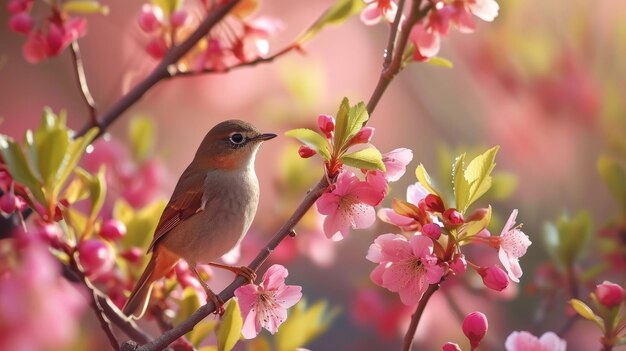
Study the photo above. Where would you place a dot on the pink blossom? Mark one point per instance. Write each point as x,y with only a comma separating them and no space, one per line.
395,163
351,203
214,57
255,40
151,18
21,22
112,230
427,42
326,124
404,266
513,245
414,194
377,10
363,136
458,264
486,10
610,294
96,257
494,277
265,305
8,203
475,327
525,341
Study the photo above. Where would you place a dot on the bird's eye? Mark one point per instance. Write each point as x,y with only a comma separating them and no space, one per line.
237,138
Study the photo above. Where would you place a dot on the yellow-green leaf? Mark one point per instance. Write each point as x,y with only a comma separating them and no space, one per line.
311,139
85,7
425,180
615,178
336,14
469,229
140,224
189,303
369,159
349,121
19,168
341,123
141,134
566,240
229,330
168,6
502,186
201,331
461,185
303,325
441,62
582,309
51,152
73,155
478,178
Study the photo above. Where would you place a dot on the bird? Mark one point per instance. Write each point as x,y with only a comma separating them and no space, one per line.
209,212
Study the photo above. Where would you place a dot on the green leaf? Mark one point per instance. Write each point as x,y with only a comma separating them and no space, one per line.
85,7
74,154
229,331
140,224
341,123
336,14
441,62
201,331
582,309
303,325
141,134
426,181
51,152
189,303
369,159
615,178
477,178
502,186
168,6
311,139
348,122
19,168
567,239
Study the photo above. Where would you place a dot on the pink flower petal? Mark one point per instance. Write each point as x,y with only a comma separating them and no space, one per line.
34,49
422,246
251,326
395,250
374,254
415,193
552,342
413,291
486,10
336,226
288,295
327,203
274,277
377,274
434,273
388,215
509,223
371,14
363,216
395,163
246,295
397,276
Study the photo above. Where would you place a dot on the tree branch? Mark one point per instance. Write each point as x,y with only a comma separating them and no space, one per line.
81,80
415,319
393,32
162,71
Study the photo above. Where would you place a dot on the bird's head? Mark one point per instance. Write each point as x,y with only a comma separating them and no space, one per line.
230,145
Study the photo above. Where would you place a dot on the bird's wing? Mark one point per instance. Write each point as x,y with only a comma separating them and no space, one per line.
185,202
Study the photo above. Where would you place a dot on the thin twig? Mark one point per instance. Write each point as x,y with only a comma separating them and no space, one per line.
81,80
163,70
415,319
388,55
239,65
105,324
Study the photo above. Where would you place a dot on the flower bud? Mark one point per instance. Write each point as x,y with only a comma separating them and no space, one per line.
15,6
96,257
50,233
363,136
477,215
431,230
150,18
112,230
21,22
132,255
458,264
306,152
452,218
475,327
54,39
433,203
494,277
450,346
8,203
609,294
179,18
157,48
326,124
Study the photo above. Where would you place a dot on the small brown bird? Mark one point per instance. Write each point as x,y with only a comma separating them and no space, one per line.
210,211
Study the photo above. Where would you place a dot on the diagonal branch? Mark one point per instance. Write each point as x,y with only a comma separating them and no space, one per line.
386,76
81,80
393,32
162,71
415,319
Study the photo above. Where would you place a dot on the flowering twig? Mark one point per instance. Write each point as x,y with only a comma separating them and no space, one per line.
393,32
162,71
254,62
81,80
410,333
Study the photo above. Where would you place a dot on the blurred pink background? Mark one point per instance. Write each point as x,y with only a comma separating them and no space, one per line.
546,81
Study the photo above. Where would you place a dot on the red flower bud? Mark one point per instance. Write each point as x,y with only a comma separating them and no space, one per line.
50,233
150,18
306,152
494,277
157,48
132,255
15,6
179,18
452,218
450,346
96,257
326,124
8,203
610,294
433,203
431,230
112,230
363,136
21,22
475,327
458,264
54,40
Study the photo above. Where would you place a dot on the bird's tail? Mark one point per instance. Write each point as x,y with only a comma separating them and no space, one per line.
161,262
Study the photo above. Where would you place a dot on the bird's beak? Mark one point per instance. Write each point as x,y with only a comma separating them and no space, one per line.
265,136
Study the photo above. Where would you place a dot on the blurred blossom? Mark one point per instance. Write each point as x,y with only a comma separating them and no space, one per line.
351,203
404,266
386,316
96,257
450,346
265,305
525,341
376,10
513,245
415,193
40,309
395,163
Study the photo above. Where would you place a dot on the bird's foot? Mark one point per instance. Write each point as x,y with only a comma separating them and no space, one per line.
217,302
243,271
